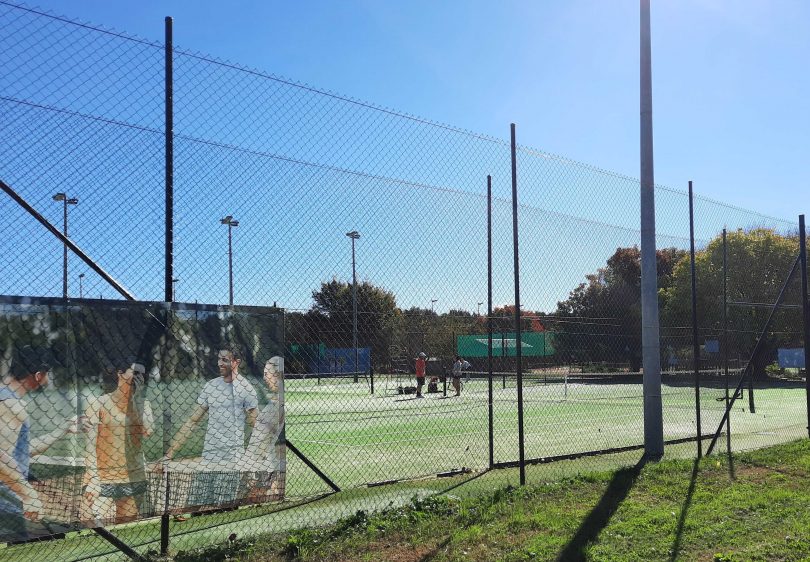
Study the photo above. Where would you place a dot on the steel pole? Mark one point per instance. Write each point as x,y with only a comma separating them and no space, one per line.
518,351
169,162
805,314
725,337
489,323
651,353
695,343
230,264
354,310
168,267
64,247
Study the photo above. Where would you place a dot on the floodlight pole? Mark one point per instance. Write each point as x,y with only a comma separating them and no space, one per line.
651,352
432,302
81,288
354,235
229,220
61,196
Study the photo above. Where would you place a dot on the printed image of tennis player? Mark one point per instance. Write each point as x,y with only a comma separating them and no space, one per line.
115,479
420,373
266,453
231,403
20,507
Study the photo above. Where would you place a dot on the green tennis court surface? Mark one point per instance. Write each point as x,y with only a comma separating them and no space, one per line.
358,439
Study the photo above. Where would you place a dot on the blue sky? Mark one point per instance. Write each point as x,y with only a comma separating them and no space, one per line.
728,114
730,90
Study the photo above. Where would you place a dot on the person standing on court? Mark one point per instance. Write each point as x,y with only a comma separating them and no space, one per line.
231,403
420,374
458,367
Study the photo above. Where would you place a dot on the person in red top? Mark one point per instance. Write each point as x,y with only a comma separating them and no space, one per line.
420,374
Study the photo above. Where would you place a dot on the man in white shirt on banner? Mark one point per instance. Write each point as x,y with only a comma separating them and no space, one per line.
231,403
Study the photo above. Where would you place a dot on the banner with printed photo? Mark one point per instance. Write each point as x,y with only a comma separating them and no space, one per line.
223,372
105,404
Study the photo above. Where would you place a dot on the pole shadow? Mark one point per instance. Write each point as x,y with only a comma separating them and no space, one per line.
687,502
590,528
435,551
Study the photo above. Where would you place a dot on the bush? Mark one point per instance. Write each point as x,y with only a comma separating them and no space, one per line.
774,370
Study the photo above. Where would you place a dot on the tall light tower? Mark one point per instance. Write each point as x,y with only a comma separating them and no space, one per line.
229,220
354,235
61,196
81,288
653,409
432,302
479,307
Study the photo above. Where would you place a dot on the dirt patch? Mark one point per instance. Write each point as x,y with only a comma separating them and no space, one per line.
403,552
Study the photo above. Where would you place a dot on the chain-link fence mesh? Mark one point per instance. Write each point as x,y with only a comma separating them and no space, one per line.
368,228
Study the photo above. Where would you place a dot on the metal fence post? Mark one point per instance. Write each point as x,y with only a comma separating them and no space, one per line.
169,269
805,314
725,338
489,321
518,354
695,343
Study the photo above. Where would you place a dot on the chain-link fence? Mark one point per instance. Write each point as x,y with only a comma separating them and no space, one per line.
340,242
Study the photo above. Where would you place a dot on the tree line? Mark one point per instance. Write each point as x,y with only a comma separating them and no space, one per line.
599,321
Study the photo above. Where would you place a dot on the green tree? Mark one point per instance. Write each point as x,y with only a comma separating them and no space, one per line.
376,317
600,321
758,263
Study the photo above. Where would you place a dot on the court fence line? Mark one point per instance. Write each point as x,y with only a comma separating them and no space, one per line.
150,150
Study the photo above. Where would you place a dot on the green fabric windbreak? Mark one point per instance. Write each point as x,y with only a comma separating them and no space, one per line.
532,344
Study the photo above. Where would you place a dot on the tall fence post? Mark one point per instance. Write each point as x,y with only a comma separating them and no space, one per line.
169,269
695,343
489,322
651,347
518,354
503,360
725,338
805,314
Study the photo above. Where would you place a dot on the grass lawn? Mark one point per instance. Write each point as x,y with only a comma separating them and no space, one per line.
752,506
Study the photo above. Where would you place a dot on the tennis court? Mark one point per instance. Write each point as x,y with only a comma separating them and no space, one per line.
358,438
382,449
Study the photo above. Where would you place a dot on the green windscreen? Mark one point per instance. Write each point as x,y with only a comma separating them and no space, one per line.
532,344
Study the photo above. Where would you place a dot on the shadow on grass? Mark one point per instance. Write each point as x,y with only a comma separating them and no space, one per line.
590,528
435,551
687,502
730,459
